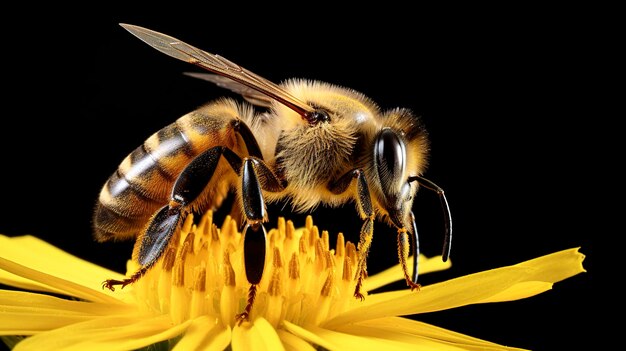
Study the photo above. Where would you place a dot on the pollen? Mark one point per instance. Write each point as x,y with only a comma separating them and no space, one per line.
202,272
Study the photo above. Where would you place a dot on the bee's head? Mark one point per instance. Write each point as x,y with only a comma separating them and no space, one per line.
399,151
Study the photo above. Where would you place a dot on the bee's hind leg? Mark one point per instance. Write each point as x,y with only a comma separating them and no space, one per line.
153,242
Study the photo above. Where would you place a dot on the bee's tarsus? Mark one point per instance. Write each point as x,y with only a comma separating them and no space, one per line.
403,255
242,317
111,283
415,248
413,286
245,315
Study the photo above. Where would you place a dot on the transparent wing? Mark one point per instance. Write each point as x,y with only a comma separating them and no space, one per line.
219,65
253,96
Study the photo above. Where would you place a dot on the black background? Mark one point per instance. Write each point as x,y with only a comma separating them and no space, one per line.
503,96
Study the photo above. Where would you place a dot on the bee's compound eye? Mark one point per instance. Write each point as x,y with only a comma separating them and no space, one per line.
390,154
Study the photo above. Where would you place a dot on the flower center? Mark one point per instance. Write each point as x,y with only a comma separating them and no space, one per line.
202,273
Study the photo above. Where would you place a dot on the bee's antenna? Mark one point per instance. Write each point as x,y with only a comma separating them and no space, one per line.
447,242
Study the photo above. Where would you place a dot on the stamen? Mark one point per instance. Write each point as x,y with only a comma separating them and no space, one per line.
325,240
215,234
290,243
198,295
303,244
341,245
314,236
323,304
228,297
346,288
351,252
275,300
340,255
202,273
168,259
329,261
294,267
290,230
328,285
178,272
199,281
347,270
206,223
320,264
277,261
179,298
164,285
185,256
280,226
187,224
294,289
229,272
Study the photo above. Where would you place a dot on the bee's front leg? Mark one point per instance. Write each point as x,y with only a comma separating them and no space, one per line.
403,253
364,206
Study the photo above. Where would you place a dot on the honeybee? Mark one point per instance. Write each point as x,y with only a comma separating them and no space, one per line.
312,143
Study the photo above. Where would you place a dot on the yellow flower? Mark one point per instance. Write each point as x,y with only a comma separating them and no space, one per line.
189,299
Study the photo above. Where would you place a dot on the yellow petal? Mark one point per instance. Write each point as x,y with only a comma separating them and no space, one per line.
205,334
16,281
43,256
25,313
256,336
23,323
63,286
38,256
294,343
519,291
546,270
406,330
269,335
106,334
470,289
309,336
393,274
557,266
347,341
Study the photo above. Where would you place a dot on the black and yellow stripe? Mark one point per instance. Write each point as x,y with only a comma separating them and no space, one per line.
143,181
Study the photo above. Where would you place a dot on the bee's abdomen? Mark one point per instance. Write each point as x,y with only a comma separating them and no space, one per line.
143,181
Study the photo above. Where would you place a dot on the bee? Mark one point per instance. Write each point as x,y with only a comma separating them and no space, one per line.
308,142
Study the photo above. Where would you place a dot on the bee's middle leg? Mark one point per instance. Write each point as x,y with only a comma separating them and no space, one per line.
364,206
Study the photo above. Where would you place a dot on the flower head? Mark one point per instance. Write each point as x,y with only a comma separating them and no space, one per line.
191,297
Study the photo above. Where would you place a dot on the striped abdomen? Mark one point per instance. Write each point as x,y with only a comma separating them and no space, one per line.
143,181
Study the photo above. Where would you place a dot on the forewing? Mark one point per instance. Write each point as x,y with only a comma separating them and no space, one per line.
219,65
